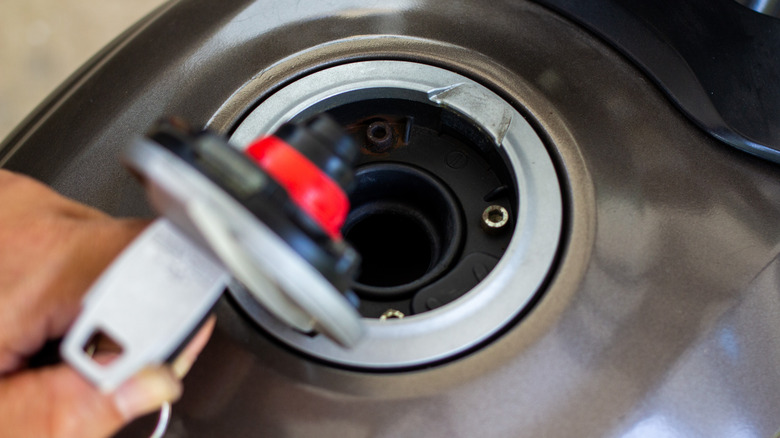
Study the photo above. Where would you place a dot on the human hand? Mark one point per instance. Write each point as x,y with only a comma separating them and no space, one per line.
51,250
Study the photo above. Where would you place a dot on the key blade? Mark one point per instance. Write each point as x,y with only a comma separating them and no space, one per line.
148,302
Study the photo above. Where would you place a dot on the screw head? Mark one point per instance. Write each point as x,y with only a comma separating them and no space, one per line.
495,219
392,314
380,136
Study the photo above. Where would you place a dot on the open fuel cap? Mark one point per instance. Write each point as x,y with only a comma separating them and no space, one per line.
265,223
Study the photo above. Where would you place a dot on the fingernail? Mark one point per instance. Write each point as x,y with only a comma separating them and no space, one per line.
146,392
181,366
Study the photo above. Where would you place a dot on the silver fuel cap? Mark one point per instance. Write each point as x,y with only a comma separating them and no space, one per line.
226,222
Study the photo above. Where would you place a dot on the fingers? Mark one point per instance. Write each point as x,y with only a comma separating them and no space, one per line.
21,193
52,250
181,366
46,266
94,247
57,403
146,392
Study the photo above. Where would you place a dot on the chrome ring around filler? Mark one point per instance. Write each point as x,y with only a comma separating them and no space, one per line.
520,274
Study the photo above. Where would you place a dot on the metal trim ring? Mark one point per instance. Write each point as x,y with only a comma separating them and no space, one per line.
495,302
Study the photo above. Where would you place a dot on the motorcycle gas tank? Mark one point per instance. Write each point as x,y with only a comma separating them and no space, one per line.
658,319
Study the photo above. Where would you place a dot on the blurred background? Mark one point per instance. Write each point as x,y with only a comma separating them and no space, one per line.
43,41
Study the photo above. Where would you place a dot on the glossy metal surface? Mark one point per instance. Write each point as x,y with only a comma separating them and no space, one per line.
661,320
768,7
713,58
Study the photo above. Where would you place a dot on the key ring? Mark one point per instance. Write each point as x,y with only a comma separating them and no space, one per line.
163,421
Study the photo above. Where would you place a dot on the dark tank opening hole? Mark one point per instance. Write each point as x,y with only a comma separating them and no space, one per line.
405,224
396,247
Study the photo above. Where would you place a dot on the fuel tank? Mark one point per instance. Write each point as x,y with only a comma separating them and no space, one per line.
578,253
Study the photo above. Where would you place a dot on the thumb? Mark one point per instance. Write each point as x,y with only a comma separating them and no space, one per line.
56,402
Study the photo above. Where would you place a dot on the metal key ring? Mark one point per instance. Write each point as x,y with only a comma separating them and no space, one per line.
163,421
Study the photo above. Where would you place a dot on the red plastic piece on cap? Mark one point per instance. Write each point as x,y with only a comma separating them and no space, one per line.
308,186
